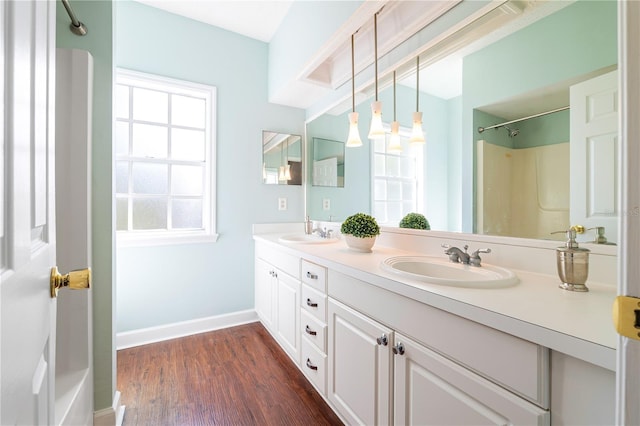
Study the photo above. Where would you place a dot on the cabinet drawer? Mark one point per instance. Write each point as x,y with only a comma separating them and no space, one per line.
314,365
313,330
314,275
284,261
314,302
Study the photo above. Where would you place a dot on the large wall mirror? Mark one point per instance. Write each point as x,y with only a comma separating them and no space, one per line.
281,158
530,80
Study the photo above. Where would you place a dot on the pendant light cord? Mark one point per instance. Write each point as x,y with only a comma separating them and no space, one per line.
418,83
375,48
394,95
353,77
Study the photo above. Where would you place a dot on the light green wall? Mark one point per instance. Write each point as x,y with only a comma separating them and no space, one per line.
168,284
98,16
574,41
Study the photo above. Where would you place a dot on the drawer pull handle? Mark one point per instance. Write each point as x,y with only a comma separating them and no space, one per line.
398,349
310,331
312,276
310,365
312,304
383,340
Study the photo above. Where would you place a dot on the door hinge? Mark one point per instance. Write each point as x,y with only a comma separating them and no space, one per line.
626,316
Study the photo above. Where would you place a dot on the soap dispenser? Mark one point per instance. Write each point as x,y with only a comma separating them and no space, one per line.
308,226
573,263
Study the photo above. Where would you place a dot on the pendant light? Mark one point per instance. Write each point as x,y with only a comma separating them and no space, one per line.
376,131
417,134
394,140
353,140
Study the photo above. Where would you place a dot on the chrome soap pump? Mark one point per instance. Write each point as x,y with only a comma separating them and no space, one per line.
573,263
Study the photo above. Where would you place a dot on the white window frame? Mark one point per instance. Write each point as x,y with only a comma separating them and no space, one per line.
179,236
405,133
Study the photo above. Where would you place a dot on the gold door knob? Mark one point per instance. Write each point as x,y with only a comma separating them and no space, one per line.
75,280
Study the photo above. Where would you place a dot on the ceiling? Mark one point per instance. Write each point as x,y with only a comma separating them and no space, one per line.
258,19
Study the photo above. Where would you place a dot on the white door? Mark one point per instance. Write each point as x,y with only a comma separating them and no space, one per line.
594,155
27,344
628,363
359,383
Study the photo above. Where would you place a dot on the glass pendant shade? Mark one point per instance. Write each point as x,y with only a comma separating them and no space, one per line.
353,140
394,139
287,172
281,174
417,134
376,131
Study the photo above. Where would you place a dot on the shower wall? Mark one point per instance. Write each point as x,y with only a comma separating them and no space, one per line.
523,192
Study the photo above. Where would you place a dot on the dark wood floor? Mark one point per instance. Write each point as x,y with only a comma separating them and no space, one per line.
235,376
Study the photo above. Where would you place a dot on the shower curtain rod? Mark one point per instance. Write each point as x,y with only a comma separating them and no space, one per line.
77,27
482,129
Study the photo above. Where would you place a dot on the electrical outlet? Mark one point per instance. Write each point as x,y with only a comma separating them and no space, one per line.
326,204
282,203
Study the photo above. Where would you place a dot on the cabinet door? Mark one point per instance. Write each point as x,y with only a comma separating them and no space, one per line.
432,390
265,291
359,372
288,314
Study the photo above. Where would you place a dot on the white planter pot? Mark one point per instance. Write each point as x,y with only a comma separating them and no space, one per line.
362,245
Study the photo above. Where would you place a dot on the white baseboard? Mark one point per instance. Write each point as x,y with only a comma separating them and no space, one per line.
111,416
129,339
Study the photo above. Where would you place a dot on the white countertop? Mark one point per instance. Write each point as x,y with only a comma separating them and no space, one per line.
574,323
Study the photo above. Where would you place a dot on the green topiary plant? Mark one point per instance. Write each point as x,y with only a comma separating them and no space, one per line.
415,221
360,225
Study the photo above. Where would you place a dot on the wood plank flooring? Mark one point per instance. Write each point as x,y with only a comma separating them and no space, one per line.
234,376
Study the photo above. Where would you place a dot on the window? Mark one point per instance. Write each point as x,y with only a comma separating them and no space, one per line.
397,180
165,159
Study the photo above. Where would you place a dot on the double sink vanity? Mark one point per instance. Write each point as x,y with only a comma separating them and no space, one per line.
404,336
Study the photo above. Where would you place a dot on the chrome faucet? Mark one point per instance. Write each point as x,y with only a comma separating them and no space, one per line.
475,260
323,233
456,255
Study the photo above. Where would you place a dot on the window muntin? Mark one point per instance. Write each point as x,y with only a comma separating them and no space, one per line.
165,159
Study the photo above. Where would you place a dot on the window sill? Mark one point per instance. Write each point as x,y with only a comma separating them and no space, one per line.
150,239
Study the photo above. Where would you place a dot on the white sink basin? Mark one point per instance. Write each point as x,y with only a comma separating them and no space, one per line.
306,239
441,271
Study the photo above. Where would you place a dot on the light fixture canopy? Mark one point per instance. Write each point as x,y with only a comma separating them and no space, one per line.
417,134
376,131
353,140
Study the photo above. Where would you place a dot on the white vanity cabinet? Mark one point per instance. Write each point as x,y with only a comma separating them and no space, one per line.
430,389
277,297
449,371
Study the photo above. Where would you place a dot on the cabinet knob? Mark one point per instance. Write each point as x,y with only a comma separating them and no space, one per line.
310,365
310,331
383,340
312,276
398,349
312,304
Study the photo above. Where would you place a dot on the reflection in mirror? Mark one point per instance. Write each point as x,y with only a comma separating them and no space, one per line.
529,66
281,158
328,163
